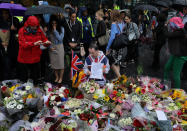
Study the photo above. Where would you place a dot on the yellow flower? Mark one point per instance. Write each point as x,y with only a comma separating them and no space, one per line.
95,97
114,99
106,98
124,79
123,96
103,91
184,122
138,89
185,104
173,96
30,96
12,88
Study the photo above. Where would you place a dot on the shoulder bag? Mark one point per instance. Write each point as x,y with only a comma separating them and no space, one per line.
121,40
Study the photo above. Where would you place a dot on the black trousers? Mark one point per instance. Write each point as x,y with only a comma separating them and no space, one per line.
132,51
44,62
27,71
156,57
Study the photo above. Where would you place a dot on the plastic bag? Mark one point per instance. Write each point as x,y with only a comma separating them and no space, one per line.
21,123
31,103
9,82
137,111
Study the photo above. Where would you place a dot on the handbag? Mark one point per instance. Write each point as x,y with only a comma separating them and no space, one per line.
121,40
103,40
82,50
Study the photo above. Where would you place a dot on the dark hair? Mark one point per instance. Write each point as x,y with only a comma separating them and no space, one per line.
72,12
127,15
93,45
58,28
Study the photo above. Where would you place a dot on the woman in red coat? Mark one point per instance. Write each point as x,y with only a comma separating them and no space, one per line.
30,39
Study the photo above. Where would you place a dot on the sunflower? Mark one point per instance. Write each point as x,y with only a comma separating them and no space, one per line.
173,96
178,94
106,98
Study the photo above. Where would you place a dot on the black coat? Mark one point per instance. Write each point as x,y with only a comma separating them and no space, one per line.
101,29
159,34
177,42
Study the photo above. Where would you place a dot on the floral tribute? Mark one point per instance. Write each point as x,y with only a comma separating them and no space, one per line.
127,103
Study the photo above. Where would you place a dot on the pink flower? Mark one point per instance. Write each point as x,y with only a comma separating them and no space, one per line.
92,90
50,89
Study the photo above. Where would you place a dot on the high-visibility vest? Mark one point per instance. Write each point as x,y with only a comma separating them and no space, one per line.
116,7
90,22
20,18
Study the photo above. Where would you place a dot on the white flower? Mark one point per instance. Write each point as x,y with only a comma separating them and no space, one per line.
21,101
6,98
19,106
27,88
171,104
62,88
53,98
13,104
126,96
8,106
23,93
16,96
110,86
176,108
73,124
112,115
61,95
58,103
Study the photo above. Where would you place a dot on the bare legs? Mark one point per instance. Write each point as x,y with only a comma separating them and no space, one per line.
56,75
59,75
116,69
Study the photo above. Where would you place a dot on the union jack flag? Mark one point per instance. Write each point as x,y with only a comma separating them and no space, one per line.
76,64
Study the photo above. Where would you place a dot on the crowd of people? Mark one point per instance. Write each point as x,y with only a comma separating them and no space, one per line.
27,48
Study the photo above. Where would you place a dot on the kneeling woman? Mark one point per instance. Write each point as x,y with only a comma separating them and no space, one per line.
56,53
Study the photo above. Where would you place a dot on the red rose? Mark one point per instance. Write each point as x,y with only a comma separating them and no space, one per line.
47,103
143,91
3,88
57,99
153,123
137,123
81,96
83,117
62,107
66,91
179,113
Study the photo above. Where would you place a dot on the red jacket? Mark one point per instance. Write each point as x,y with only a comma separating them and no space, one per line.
28,52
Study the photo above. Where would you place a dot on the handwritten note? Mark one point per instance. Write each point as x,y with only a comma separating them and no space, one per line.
96,71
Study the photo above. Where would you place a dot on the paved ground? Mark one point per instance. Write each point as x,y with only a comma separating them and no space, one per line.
145,59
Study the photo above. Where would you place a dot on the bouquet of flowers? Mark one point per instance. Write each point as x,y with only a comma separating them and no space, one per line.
120,82
73,103
56,96
125,123
69,125
88,89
